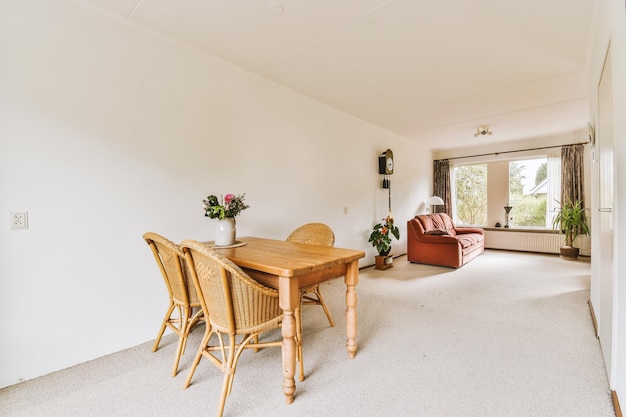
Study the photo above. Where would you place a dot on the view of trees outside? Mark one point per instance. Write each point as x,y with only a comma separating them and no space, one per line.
471,194
527,193
527,196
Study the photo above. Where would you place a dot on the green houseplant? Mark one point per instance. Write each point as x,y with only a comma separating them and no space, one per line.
571,220
381,235
230,206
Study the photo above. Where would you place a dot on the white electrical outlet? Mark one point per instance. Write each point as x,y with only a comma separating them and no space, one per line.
18,220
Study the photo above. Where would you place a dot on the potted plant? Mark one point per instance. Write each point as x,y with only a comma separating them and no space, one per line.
571,220
381,240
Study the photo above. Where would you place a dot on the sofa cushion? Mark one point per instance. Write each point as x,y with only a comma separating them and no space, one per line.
437,221
469,239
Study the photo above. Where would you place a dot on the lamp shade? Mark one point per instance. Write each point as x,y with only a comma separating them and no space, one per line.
434,201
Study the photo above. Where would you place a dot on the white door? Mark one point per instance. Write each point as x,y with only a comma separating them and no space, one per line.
604,146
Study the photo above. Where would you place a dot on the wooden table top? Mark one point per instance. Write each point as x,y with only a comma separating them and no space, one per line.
287,259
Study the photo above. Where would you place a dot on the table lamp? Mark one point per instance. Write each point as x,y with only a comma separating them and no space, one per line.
434,201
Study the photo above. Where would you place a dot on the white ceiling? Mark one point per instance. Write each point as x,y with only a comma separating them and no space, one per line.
432,71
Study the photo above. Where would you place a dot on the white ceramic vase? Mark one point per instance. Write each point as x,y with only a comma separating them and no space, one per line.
225,232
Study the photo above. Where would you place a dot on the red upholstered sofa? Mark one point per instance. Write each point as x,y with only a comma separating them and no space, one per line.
433,239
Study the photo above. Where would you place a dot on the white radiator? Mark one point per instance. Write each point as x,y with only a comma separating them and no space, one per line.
523,241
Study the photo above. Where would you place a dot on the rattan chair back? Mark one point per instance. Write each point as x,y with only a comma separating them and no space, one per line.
313,234
174,269
235,303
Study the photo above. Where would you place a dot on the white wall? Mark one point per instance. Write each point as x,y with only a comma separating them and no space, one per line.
611,30
108,131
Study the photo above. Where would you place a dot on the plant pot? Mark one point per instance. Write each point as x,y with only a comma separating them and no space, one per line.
383,262
569,252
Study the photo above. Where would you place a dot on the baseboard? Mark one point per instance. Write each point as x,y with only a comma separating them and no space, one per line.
616,406
593,319
618,410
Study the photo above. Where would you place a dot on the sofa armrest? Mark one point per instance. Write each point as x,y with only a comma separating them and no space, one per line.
443,239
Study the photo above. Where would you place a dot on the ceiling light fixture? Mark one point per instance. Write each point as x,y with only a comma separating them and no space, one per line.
275,9
483,130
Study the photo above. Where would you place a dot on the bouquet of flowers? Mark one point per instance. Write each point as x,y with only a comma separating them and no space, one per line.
381,235
230,206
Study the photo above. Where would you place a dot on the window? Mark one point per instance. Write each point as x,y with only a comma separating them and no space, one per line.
534,190
470,194
528,188
532,186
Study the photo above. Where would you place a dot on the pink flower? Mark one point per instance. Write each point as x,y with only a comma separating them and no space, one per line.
228,198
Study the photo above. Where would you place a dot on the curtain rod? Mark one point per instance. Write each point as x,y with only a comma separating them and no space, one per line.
519,150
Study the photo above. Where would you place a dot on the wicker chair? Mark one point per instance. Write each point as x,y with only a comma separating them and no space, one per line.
235,304
312,234
182,294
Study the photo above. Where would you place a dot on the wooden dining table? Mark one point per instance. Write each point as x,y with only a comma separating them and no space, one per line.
290,266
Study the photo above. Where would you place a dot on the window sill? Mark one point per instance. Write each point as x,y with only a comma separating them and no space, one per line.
522,229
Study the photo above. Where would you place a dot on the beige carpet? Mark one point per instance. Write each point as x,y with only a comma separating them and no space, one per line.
509,334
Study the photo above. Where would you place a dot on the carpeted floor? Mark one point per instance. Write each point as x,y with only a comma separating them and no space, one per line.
509,334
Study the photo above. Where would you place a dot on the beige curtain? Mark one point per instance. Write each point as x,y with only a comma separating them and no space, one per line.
572,175
441,184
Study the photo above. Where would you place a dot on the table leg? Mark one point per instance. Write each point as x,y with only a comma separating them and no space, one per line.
289,298
351,279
